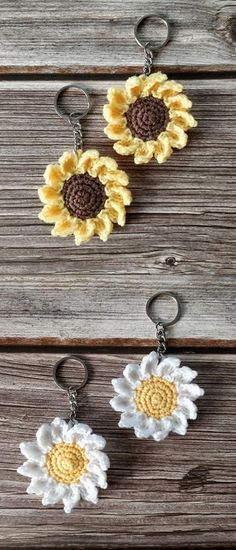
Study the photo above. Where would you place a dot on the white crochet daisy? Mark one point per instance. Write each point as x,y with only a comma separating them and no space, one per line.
156,398
65,463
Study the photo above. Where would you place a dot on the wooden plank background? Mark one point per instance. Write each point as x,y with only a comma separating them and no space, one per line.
179,493
55,297
183,210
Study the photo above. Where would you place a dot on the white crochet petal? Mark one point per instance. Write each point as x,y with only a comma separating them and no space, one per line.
187,407
145,429
122,386
71,498
122,404
132,374
148,365
94,441
100,458
31,451
193,391
88,489
97,475
31,469
54,494
129,420
179,423
44,438
185,374
59,428
77,433
167,366
81,428
159,436
38,486
163,428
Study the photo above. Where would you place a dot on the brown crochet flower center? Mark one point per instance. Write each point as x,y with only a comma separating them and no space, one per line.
84,196
147,117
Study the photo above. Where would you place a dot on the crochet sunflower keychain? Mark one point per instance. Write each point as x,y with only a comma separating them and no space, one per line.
85,193
150,116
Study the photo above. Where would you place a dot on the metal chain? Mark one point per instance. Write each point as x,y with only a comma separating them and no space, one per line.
148,61
78,139
161,337
72,394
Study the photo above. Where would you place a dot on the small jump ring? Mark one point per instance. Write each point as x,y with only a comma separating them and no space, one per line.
64,386
162,294
74,114
153,46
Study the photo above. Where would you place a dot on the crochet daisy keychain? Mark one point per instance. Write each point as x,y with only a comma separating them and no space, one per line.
150,116
157,396
66,462
85,193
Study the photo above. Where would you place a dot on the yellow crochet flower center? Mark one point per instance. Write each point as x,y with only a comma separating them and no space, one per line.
66,462
156,397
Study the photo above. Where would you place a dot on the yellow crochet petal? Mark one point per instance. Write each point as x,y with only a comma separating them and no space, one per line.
152,82
116,211
121,177
85,231
104,225
117,96
119,192
115,176
144,152
68,161
48,194
64,227
117,130
51,213
127,146
104,165
167,89
176,135
134,87
86,160
113,113
179,102
182,119
162,149
53,176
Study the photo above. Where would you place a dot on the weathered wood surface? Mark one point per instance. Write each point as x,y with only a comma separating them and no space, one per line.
68,37
179,493
180,236
180,233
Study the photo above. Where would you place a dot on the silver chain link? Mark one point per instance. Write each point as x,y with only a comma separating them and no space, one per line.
161,337
72,395
78,138
148,61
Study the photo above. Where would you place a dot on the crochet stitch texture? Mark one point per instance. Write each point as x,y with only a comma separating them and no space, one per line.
84,195
148,118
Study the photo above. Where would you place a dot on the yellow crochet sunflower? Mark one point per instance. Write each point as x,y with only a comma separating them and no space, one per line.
148,118
84,195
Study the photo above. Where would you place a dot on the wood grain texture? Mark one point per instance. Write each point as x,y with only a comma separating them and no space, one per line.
52,36
183,210
179,493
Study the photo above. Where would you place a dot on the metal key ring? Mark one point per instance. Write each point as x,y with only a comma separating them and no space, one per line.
153,46
68,387
76,114
162,294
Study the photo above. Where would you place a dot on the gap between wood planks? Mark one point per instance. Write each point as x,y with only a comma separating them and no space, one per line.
116,345
38,77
